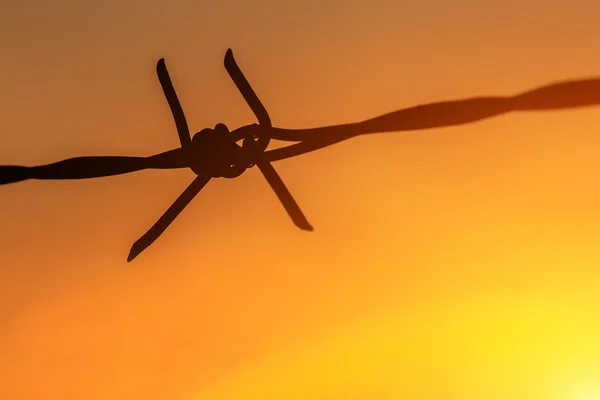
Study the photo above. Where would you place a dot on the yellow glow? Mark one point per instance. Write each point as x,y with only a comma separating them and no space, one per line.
483,349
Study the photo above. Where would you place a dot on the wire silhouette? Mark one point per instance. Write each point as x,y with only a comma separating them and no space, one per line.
215,153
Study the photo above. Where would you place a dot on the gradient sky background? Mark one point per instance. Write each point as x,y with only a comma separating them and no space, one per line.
460,263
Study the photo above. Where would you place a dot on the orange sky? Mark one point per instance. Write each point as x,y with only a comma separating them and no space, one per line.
460,263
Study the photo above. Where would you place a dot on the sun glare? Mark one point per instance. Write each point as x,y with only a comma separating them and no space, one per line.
586,392
589,395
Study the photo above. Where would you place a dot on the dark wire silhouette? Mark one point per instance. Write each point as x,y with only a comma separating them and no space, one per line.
215,153
560,95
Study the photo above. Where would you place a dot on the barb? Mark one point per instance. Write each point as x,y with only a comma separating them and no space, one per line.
284,195
178,115
168,217
246,90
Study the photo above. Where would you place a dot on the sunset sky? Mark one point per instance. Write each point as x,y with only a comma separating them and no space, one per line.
461,263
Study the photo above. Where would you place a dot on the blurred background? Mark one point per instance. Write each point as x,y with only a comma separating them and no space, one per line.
458,263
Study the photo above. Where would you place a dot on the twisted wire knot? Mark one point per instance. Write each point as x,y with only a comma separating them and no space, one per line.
216,152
